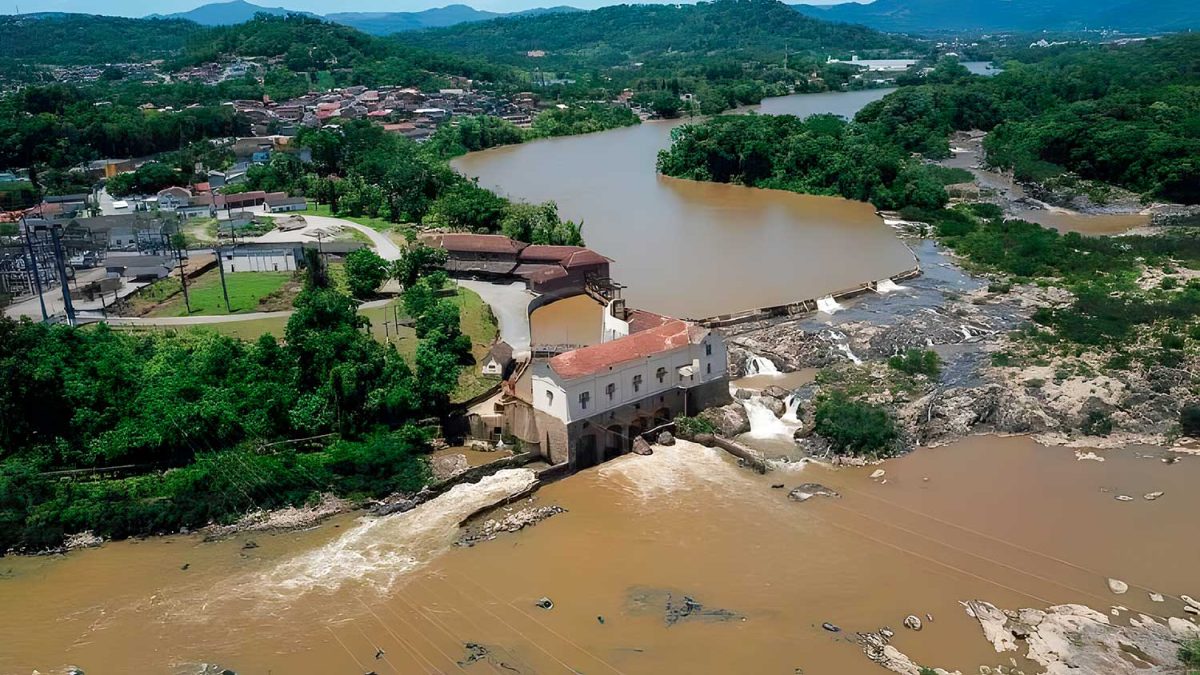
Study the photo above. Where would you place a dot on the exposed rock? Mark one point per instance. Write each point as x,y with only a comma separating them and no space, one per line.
85,539
912,622
729,420
448,466
743,394
773,404
1151,496
831,628
1190,601
1117,586
877,473
641,447
545,603
1156,597
776,391
289,518
513,522
1123,498
1070,639
665,438
807,491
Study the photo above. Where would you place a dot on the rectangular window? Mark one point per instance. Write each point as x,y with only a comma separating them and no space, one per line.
583,399
610,390
661,374
707,350
637,383
708,368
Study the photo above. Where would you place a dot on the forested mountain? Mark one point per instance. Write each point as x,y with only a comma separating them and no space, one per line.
615,35
375,23
386,23
927,16
226,13
87,39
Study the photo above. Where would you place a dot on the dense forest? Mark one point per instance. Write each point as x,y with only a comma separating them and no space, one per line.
1122,114
822,154
84,39
1126,115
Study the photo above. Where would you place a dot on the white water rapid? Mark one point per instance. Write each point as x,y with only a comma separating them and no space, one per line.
760,365
764,424
884,286
828,305
377,551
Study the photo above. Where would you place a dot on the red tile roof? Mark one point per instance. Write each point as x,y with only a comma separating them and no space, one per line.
480,243
640,320
567,256
599,358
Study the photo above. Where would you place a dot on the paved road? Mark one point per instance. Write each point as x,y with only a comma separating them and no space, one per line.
510,304
385,247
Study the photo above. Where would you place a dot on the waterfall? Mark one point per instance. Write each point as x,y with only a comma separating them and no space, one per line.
828,305
760,365
763,422
793,405
888,286
845,349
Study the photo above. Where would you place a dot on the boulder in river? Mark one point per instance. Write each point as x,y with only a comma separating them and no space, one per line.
912,622
641,447
1151,496
776,391
773,404
665,438
729,420
1117,586
545,603
743,394
807,491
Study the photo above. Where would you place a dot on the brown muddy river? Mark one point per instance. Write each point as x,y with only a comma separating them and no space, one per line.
692,249
999,519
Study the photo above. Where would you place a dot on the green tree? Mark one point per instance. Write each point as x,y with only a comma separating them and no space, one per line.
855,427
365,271
417,261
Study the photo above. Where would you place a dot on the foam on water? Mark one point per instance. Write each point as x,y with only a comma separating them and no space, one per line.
671,469
378,551
760,365
828,305
764,424
888,286
793,406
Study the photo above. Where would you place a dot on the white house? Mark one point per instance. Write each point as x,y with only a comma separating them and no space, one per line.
591,403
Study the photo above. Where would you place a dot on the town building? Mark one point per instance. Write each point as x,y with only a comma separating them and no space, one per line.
591,403
282,203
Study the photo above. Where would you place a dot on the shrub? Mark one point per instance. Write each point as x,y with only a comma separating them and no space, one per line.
854,427
1189,653
1172,341
691,426
999,287
1097,423
1189,420
917,362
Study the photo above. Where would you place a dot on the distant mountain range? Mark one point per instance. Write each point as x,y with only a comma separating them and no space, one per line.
926,16
375,23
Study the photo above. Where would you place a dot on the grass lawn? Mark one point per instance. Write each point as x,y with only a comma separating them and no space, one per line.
315,209
247,293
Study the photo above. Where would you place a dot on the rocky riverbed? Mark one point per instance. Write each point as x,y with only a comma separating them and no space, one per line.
994,379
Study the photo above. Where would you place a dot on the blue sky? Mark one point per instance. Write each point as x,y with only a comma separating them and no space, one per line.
142,8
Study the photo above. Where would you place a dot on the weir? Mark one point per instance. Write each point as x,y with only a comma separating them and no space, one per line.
828,304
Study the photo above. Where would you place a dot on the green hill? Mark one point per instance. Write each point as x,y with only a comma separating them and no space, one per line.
70,39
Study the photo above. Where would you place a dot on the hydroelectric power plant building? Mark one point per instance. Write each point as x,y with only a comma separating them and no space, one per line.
582,405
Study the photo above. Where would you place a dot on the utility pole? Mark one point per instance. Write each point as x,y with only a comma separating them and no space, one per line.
62,274
183,279
37,276
224,289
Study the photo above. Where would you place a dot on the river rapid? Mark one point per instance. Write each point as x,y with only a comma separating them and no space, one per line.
999,519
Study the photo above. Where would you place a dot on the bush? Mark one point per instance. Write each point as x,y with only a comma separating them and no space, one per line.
854,427
1097,423
917,362
1189,653
691,426
1189,420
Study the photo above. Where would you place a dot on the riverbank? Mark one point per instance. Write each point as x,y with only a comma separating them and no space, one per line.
1066,204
